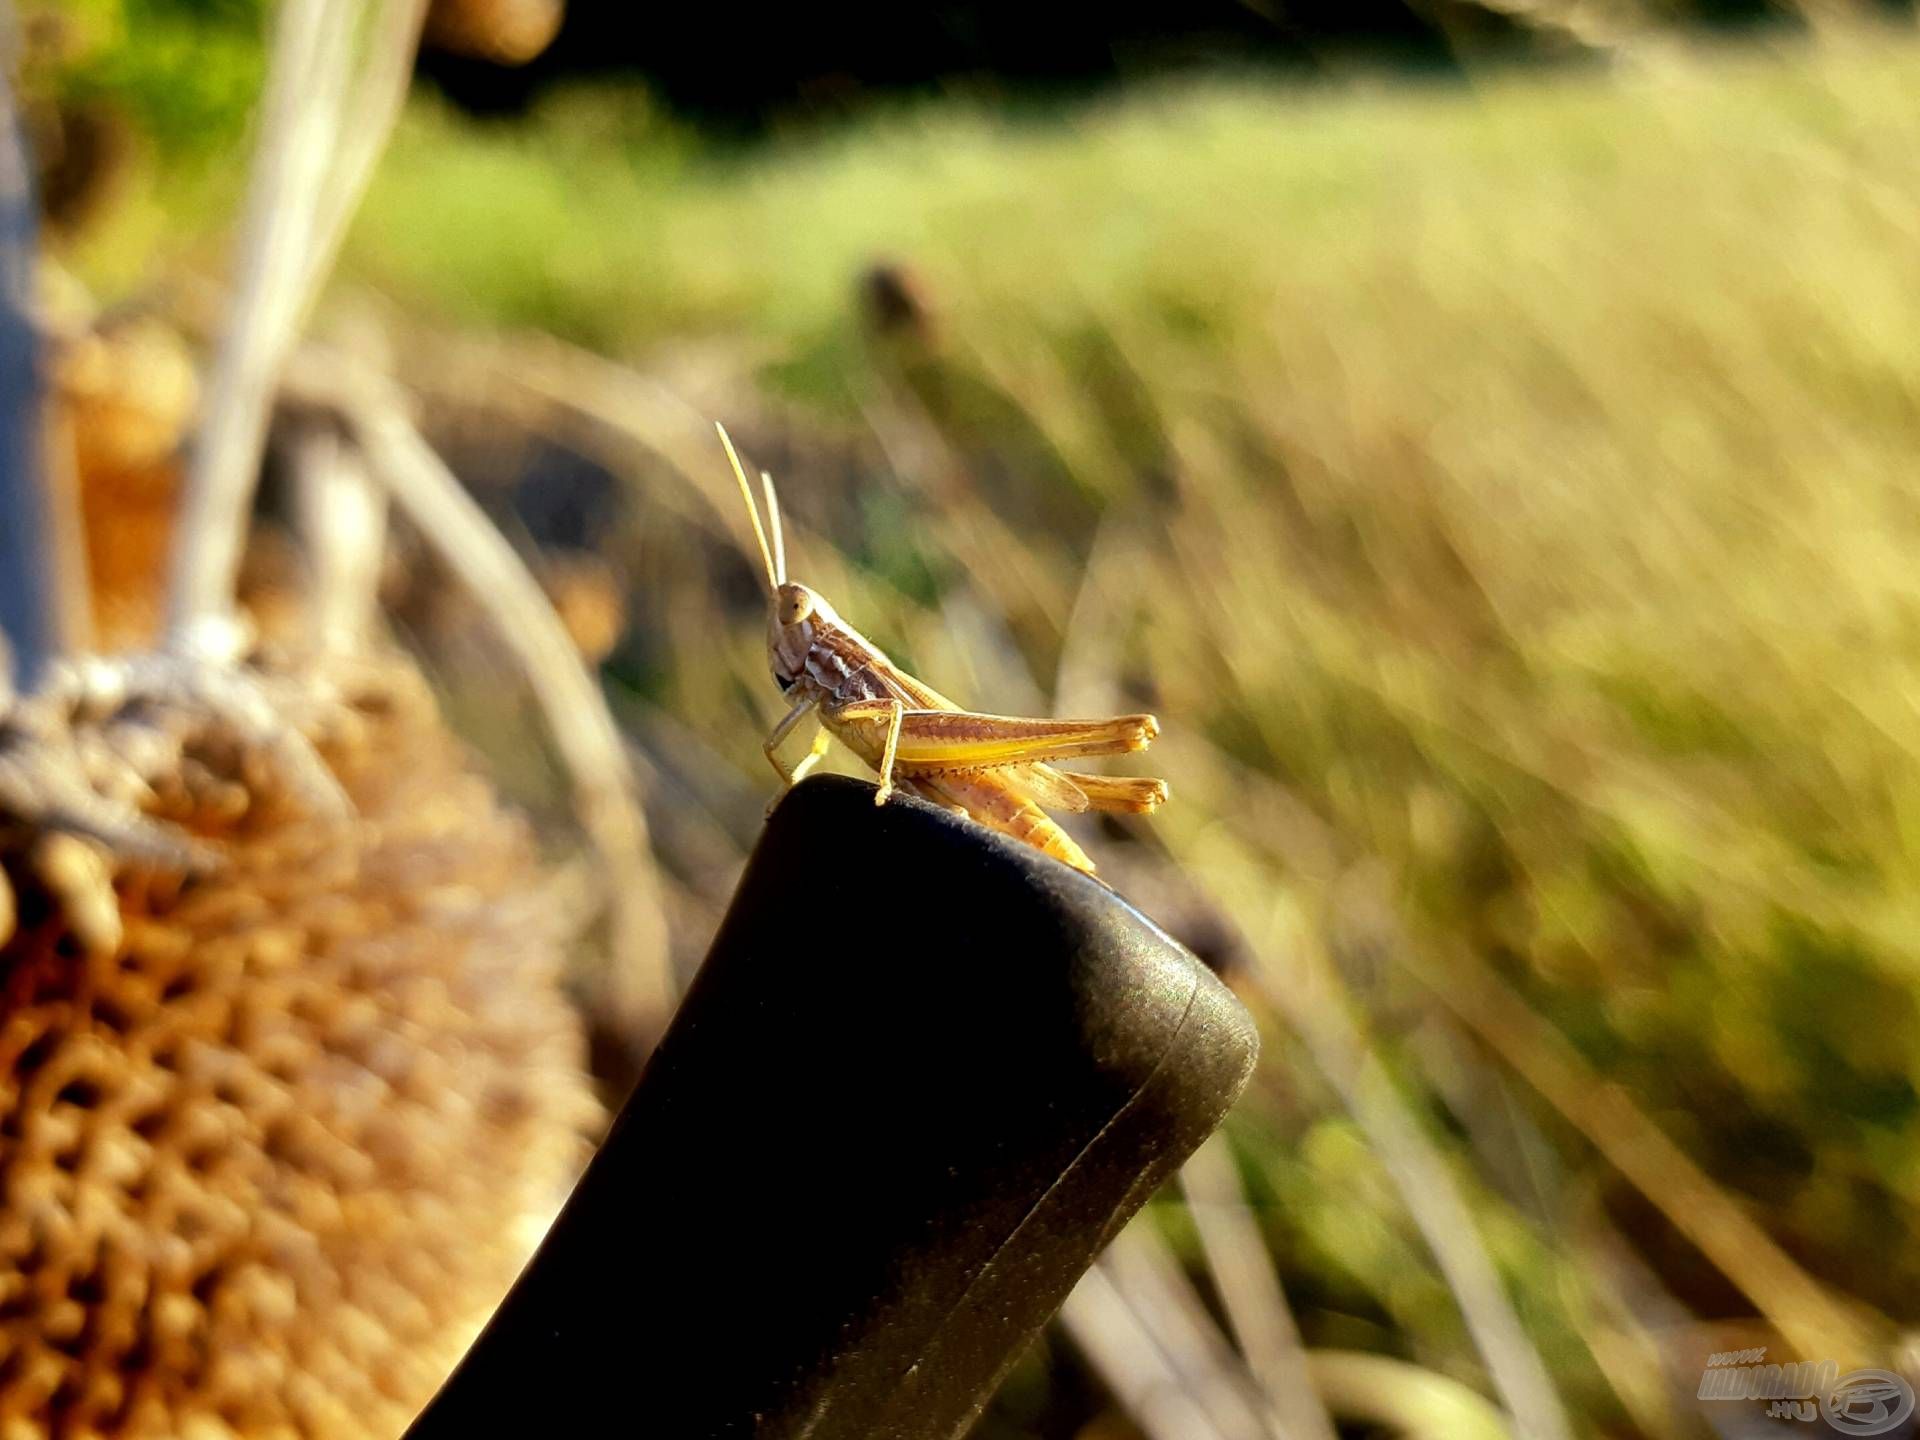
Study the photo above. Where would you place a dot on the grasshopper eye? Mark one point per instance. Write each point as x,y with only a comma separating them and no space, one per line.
795,605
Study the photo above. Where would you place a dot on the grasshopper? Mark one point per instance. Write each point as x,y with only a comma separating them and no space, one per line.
995,768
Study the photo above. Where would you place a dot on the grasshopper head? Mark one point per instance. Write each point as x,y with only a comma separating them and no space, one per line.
794,618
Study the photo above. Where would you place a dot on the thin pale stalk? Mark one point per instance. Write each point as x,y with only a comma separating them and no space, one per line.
569,697
1511,1152
371,115
1410,1402
342,517
1630,1322
1794,1302
1318,1013
1119,1346
1249,1288
307,77
1803,1310
1150,1279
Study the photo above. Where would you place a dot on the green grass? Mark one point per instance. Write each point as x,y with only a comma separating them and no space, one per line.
1209,205
1505,495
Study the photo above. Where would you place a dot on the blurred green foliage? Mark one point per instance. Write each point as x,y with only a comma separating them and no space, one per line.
186,72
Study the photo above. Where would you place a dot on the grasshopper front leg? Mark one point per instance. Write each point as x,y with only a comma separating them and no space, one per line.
771,745
821,740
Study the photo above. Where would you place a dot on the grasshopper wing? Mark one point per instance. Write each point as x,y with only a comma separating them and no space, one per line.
1044,786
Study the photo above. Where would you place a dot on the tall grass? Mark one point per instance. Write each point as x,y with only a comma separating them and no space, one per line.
1506,497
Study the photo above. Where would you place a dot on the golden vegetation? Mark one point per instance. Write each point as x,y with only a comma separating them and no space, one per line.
278,1124
1502,495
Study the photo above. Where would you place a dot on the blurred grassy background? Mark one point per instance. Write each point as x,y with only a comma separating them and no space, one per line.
1503,491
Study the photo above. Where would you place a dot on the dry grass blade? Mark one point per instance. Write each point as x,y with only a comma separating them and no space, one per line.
1121,1347
1317,1012
1596,25
343,521
1143,1269
1630,1326
1249,1288
371,115
1813,1320
1413,1403
1626,1316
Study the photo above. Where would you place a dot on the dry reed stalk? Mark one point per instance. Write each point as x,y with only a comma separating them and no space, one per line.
1249,1289
1316,1010
343,522
1411,1402
284,265
643,986
306,82
1124,1351
303,197
1146,1274
371,114
322,133
1811,1318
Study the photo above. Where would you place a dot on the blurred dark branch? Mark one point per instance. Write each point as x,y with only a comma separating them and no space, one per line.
23,589
31,584
1601,27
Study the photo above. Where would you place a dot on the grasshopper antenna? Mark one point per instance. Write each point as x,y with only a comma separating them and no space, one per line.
753,511
773,524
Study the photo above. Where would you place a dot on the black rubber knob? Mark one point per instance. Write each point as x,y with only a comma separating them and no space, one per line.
922,1077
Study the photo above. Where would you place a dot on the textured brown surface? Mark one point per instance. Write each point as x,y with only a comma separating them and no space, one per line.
275,1135
123,398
